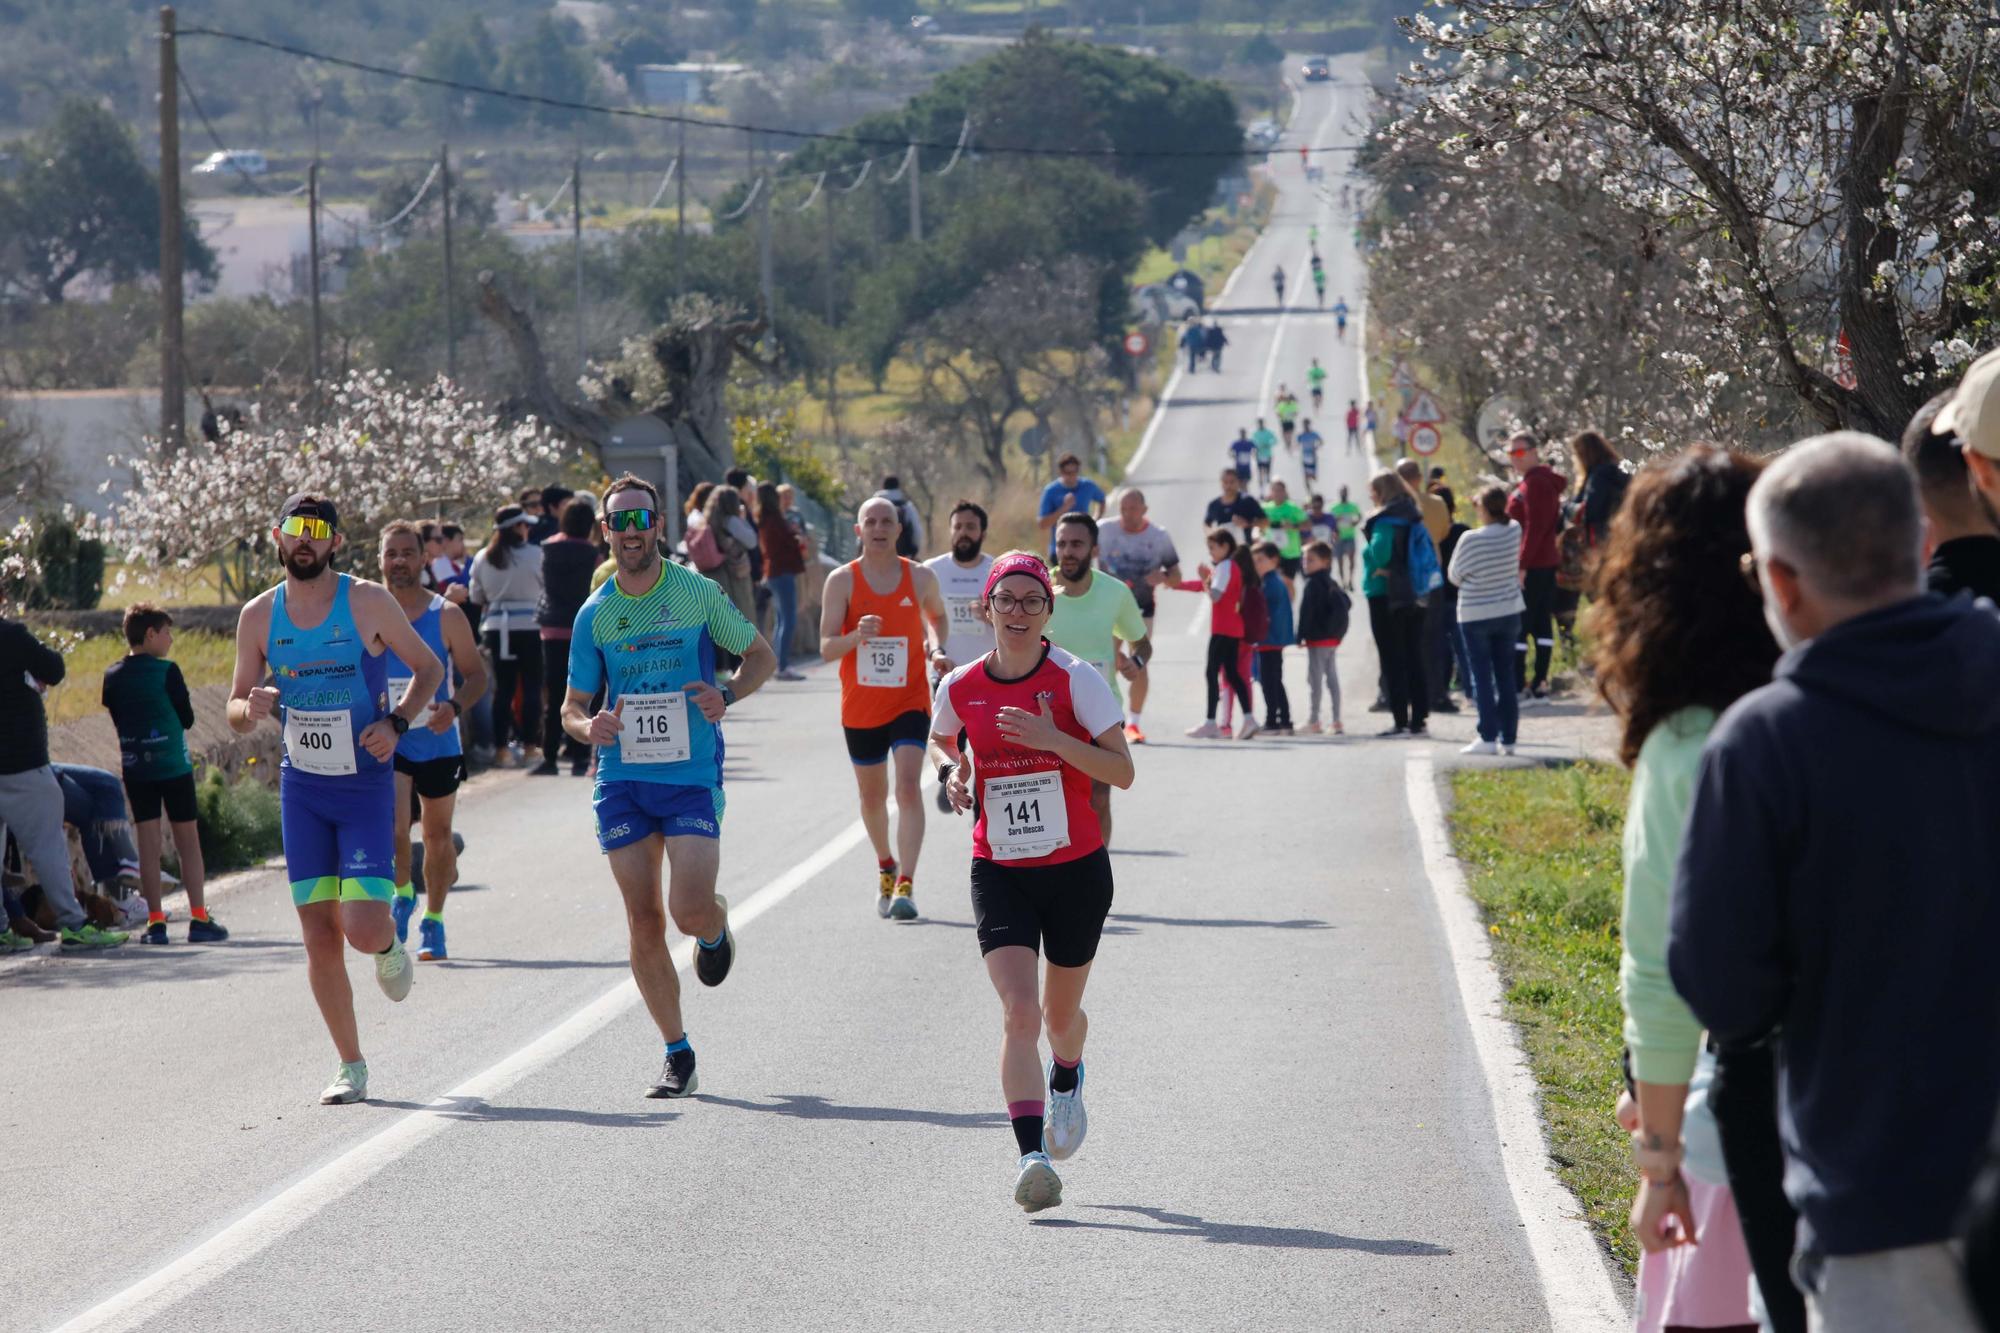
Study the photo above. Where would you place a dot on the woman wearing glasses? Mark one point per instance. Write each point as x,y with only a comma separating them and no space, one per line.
1041,726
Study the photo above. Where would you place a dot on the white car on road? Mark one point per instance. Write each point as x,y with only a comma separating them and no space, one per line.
233,162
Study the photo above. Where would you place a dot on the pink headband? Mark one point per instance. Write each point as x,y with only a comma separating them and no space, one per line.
1019,564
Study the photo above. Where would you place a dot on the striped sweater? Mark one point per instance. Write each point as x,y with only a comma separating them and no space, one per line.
1487,569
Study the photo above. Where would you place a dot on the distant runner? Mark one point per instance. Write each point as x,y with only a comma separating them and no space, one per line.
1353,427
324,640
648,637
1266,445
1043,727
1347,523
1309,446
884,620
1094,615
961,576
1143,556
1340,319
1316,382
1285,525
1278,283
1287,409
1243,455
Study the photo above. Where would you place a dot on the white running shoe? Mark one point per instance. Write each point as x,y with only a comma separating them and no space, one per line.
350,1084
1481,747
1038,1185
1507,747
1067,1123
393,972
1205,732
1247,728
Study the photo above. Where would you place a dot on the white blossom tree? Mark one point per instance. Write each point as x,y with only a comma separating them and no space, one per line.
1832,167
384,450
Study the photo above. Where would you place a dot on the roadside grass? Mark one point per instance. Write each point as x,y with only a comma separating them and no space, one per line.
204,659
1541,851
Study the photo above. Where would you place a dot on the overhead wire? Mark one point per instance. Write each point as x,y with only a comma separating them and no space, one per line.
228,154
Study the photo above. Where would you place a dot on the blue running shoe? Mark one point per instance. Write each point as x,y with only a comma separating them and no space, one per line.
431,933
401,909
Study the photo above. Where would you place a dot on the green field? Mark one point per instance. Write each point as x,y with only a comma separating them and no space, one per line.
1551,902
205,659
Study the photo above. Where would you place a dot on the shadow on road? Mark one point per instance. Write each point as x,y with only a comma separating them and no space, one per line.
1241,923
473,1110
806,1107
1227,1233
531,964
939,921
1149,851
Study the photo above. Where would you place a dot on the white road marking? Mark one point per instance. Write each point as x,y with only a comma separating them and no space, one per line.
268,1222
1576,1284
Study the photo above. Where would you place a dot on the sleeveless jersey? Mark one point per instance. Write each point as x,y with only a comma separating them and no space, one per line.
884,677
330,688
420,743
971,636
644,651
1034,810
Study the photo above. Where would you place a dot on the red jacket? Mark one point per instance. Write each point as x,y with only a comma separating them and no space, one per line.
1536,505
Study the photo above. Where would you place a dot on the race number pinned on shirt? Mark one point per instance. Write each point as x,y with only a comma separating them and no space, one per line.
964,615
320,742
884,663
656,728
400,686
1025,815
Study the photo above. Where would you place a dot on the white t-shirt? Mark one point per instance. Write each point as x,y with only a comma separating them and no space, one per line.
971,637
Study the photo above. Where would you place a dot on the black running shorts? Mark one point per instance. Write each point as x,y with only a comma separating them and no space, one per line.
176,794
868,746
432,779
1056,910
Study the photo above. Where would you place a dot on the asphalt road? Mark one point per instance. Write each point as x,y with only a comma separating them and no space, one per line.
1289,1126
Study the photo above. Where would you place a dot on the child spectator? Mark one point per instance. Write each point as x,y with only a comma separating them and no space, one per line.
1224,587
1324,609
1275,639
149,706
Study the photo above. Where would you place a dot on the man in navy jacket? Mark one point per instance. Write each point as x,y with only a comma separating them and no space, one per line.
1839,884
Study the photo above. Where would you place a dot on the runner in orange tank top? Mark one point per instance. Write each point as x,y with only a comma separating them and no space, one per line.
883,619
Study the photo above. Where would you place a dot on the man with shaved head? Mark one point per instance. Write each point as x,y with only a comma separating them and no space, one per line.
883,618
1141,555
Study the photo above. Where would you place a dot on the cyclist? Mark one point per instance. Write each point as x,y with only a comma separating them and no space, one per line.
1043,727
1288,414
1316,382
1340,318
1278,283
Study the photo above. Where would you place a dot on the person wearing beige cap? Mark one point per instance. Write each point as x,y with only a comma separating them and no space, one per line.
1973,415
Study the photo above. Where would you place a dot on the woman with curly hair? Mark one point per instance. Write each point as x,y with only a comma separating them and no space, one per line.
1680,637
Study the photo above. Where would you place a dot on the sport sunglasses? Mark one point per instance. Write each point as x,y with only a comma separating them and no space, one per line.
630,520
303,525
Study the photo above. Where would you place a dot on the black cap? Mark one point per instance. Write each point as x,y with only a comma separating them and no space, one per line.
311,506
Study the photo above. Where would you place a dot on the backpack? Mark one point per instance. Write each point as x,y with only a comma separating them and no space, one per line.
1426,575
1339,611
704,552
906,539
1256,614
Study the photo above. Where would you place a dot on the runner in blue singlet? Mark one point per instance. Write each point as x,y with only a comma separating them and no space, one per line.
648,637
322,637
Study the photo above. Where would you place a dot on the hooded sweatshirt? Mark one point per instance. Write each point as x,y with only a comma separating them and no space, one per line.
1385,560
1837,884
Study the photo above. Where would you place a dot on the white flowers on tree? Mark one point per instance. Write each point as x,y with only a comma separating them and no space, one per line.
1836,164
383,450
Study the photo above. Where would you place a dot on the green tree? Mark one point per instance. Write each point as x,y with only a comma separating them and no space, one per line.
464,53
544,64
469,207
635,47
84,204
1260,51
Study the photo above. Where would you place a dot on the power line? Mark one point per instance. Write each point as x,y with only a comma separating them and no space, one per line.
669,118
228,155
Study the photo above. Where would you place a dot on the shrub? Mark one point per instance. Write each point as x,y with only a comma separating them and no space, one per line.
238,822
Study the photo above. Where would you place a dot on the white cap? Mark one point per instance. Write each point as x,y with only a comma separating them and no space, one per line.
1973,414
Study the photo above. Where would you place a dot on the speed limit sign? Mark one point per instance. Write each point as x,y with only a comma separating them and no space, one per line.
1136,343
1424,439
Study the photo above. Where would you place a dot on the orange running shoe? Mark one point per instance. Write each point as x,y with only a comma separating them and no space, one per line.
1133,735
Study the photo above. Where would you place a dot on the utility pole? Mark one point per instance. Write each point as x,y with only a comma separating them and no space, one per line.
312,262
681,209
916,196
764,271
832,345
576,239
173,387
450,294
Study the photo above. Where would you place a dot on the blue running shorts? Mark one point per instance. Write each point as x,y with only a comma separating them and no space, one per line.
340,836
628,811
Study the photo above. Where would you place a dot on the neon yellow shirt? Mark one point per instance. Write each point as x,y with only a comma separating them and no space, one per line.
1090,625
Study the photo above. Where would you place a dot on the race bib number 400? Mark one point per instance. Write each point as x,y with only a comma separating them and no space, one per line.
320,742
400,686
656,728
1025,815
884,663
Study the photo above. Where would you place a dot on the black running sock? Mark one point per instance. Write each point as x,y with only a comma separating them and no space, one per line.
1062,1077
1027,1119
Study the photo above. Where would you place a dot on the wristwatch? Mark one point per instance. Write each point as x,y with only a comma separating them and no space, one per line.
452,704
398,723
728,696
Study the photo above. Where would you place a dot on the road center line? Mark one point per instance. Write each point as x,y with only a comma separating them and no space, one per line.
294,1205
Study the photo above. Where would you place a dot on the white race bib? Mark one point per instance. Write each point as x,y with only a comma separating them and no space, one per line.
884,663
320,742
1026,815
656,728
965,618
398,687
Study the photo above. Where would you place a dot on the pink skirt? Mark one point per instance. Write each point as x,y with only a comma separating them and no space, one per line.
1698,1286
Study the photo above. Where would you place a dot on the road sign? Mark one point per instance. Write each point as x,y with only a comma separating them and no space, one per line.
1424,409
1035,441
1424,439
1136,343
1499,418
